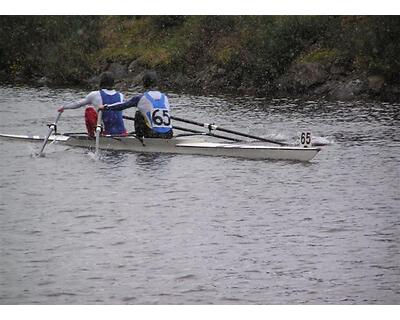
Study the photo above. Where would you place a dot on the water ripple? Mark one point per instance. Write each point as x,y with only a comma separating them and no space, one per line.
168,229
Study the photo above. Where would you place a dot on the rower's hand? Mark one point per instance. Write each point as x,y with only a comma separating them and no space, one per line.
61,110
102,107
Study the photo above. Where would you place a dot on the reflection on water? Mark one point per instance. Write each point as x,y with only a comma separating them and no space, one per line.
132,228
112,157
150,161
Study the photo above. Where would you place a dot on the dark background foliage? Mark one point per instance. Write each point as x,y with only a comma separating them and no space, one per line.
256,49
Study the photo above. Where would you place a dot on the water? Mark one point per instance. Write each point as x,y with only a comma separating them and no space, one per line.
180,229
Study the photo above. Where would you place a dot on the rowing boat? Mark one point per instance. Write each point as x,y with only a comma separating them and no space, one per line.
179,145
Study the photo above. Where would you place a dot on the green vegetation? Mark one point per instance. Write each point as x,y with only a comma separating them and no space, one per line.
61,48
319,56
251,49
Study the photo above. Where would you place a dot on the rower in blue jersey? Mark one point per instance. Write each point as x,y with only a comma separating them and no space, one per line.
153,118
112,120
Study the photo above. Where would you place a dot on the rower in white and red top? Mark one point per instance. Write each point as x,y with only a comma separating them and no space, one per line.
112,120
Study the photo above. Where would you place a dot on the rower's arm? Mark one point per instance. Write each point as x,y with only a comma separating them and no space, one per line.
89,99
133,102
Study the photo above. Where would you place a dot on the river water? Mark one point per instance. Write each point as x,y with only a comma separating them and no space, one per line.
180,229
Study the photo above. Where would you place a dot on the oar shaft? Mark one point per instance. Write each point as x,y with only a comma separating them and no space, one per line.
214,127
208,134
189,121
98,130
250,136
194,131
51,128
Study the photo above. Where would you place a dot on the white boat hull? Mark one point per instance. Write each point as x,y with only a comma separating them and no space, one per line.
181,145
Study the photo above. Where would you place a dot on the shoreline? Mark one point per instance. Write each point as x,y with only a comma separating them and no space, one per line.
305,81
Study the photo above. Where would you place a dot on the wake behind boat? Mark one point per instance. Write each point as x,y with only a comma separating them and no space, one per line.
179,145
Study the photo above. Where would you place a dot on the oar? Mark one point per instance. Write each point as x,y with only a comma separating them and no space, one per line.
195,131
52,127
98,130
207,134
214,127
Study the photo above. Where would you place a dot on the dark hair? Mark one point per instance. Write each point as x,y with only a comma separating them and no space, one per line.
106,80
150,79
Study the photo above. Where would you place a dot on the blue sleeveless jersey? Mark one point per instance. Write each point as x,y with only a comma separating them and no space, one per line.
113,121
158,115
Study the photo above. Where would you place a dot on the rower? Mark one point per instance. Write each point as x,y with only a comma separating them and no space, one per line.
153,118
112,120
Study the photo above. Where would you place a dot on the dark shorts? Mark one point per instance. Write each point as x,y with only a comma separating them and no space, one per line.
142,130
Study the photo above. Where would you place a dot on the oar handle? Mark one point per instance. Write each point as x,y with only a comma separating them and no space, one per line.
128,118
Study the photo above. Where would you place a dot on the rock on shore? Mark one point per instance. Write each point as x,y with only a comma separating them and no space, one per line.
311,80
